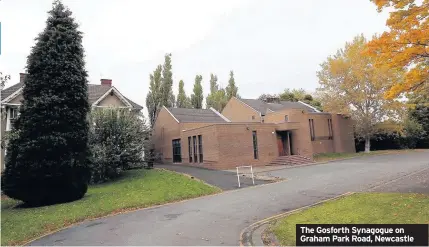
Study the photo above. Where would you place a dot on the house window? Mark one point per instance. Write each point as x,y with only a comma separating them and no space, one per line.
331,135
195,149
200,148
255,145
13,113
311,123
253,117
177,151
286,118
190,149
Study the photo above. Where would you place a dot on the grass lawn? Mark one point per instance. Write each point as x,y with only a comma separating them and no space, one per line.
136,189
335,156
369,208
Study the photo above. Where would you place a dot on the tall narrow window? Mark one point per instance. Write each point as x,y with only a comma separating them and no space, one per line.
190,149
331,134
177,151
286,118
311,123
255,145
200,148
194,139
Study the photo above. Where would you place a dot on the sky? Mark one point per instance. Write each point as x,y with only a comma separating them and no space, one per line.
269,44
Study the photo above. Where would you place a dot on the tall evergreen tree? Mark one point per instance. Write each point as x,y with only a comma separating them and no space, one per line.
167,99
197,97
182,100
154,96
48,155
231,89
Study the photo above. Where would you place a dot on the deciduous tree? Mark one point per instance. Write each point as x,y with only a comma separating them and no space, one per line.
154,96
351,84
48,157
3,79
183,101
167,96
405,44
217,97
231,89
197,97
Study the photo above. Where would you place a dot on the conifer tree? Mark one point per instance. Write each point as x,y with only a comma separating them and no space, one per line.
48,156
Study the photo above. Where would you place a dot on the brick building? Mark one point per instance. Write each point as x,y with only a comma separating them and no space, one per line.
250,132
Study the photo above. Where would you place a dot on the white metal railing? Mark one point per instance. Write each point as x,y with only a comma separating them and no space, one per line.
238,174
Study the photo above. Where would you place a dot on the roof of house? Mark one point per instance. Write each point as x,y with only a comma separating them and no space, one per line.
196,115
95,91
10,90
262,106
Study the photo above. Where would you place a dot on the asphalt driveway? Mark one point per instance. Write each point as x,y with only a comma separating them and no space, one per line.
223,179
219,219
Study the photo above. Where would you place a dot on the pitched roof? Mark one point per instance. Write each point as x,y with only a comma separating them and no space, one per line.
196,115
10,90
95,91
262,106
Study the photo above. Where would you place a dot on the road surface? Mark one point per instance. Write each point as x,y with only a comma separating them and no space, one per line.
219,219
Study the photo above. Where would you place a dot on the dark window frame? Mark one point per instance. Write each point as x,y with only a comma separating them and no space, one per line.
255,145
177,151
194,141
200,148
190,149
286,118
311,124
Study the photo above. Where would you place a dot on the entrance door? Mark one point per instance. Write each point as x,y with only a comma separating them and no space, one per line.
280,145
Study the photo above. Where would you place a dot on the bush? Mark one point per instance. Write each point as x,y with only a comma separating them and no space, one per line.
47,155
117,140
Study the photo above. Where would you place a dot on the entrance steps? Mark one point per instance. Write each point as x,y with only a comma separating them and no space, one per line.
291,160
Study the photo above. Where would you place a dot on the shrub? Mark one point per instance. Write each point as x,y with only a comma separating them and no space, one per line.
117,141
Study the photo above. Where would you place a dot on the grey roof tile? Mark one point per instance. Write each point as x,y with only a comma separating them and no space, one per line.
262,107
10,90
196,115
95,91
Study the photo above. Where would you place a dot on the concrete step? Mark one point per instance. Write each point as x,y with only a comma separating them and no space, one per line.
291,160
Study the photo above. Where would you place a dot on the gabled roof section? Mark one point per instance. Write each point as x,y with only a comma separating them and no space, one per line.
264,107
185,115
95,92
258,105
7,92
117,93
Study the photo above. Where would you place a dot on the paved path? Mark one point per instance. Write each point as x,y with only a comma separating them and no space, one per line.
225,180
218,220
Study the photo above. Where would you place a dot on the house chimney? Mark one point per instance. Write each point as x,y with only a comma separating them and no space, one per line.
106,82
272,100
22,77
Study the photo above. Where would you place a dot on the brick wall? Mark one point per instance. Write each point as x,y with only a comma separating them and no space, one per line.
322,143
343,134
236,144
165,130
237,111
210,146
